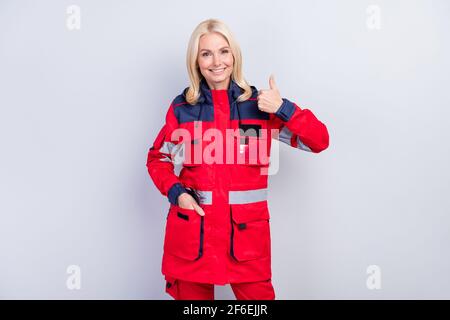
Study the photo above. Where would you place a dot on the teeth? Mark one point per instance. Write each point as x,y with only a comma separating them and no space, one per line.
217,70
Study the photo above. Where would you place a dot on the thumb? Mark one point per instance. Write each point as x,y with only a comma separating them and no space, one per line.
198,209
272,82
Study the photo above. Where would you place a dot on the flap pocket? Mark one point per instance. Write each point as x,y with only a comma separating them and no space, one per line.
250,129
242,213
250,231
184,233
251,150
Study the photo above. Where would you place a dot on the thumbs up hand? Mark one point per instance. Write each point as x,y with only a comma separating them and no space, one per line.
270,100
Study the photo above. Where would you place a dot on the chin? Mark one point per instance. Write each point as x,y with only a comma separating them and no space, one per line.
222,78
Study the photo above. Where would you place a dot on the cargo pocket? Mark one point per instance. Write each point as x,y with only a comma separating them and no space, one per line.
184,233
250,231
251,151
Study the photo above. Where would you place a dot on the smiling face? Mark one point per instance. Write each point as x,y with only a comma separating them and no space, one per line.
215,60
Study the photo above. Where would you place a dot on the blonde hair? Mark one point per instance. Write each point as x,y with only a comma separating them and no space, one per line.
205,27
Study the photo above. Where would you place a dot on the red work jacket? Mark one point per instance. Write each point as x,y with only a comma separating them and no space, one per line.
228,177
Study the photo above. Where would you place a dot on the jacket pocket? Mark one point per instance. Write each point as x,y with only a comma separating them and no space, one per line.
184,233
251,150
250,231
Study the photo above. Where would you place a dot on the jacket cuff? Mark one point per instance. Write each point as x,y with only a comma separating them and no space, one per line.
286,110
174,191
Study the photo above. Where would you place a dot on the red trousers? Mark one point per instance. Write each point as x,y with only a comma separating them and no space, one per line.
186,290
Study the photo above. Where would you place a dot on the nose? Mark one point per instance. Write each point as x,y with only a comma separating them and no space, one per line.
216,60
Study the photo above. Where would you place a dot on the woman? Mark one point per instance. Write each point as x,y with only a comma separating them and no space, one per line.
217,229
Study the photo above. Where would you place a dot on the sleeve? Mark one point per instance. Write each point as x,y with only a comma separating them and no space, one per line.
160,160
299,128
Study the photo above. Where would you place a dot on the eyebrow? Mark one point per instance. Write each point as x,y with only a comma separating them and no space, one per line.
219,49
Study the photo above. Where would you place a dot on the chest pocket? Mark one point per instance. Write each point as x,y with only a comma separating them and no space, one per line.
252,145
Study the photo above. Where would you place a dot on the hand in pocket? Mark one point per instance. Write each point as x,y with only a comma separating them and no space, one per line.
186,201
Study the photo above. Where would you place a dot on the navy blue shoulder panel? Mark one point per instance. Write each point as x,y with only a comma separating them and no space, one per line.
179,99
204,111
249,109
184,112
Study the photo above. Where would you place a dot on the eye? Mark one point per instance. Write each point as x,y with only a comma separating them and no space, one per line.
204,54
225,51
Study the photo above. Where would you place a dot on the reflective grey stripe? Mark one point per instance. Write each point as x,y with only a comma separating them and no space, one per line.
285,136
205,196
169,148
235,197
247,196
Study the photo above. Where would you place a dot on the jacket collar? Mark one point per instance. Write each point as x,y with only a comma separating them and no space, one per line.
234,91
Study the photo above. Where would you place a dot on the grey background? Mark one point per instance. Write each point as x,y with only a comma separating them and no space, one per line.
79,110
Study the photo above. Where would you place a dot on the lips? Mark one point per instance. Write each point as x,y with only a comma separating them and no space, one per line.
217,71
